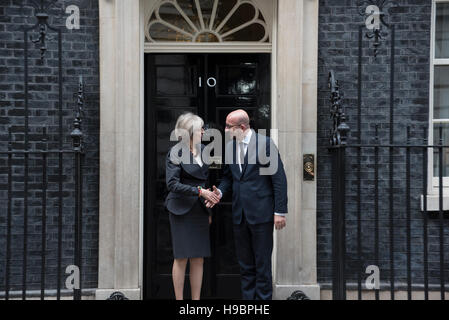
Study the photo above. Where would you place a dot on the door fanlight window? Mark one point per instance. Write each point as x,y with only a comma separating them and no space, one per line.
207,21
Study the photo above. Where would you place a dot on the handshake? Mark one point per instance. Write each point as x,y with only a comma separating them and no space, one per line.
211,197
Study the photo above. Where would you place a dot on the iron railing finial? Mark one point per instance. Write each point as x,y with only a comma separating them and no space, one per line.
77,134
340,128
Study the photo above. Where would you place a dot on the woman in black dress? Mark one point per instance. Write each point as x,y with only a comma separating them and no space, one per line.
186,177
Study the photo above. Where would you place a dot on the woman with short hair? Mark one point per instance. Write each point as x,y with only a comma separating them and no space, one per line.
186,177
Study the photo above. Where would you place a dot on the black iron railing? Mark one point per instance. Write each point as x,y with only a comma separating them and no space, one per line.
380,187
371,203
30,199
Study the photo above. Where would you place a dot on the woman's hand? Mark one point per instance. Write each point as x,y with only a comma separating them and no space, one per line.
210,204
210,196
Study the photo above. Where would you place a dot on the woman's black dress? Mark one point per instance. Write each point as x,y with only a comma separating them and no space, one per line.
190,233
188,216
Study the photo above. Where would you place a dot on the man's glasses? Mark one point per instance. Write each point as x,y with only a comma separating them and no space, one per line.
228,126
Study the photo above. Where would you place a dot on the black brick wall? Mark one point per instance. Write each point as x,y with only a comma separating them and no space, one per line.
338,51
79,57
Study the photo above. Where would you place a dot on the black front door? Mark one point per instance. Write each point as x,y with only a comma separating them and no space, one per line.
210,85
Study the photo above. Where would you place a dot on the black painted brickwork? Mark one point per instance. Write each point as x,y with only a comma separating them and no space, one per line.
80,57
338,50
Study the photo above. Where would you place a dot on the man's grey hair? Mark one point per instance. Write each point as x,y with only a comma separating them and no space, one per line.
188,122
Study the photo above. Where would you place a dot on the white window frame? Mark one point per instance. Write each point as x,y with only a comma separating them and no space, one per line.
433,182
268,8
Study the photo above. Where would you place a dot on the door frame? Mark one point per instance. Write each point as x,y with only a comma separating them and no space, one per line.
150,204
186,48
294,87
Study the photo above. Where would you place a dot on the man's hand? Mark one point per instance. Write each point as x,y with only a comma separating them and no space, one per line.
210,204
279,222
210,196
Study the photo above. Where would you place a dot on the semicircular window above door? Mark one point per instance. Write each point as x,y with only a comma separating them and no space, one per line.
207,21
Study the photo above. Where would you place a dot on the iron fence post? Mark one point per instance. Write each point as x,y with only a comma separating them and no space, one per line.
77,136
338,142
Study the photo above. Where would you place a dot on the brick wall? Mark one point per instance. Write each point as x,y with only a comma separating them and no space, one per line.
79,57
338,51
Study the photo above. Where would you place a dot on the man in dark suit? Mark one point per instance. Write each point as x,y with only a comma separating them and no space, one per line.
259,201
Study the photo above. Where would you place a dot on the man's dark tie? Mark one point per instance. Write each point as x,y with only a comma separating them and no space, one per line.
242,155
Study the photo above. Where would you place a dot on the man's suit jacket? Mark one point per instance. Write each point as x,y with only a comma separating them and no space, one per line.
182,182
258,196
